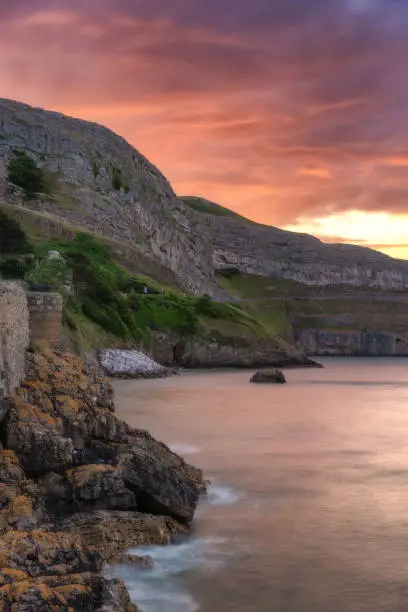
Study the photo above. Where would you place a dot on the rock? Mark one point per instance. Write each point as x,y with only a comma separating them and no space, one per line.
85,489
37,439
79,487
28,596
64,387
164,484
100,487
40,553
115,598
240,353
113,532
67,593
57,493
144,563
21,505
131,364
270,375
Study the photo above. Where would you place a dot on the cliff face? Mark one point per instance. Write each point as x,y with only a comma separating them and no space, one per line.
269,251
101,183
353,343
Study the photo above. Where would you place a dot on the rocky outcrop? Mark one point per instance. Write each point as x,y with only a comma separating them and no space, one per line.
352,343
234,353
77,488
113,532
37,438
269,251
166,486
130,364
270,375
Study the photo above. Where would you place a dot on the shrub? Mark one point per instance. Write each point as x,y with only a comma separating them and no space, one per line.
52,273
14,267
24,172
117,179
13,239
228,272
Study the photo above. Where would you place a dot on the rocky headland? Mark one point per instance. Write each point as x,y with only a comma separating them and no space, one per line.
78,487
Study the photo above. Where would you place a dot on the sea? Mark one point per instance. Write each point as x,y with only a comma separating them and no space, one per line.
308,506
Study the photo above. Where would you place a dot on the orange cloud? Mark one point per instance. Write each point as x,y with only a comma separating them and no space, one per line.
282,113
323,173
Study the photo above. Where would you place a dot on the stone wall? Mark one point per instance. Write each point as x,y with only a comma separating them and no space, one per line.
45,317
14,336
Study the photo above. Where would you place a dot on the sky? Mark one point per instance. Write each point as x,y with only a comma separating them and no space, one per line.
291,112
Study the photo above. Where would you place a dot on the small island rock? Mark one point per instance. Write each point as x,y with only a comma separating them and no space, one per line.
269,375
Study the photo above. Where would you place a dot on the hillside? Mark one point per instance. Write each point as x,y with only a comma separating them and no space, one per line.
60,176
269,251
95,180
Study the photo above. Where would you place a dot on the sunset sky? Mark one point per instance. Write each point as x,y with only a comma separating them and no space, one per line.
291,112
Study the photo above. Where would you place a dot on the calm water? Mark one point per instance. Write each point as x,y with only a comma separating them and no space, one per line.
308,510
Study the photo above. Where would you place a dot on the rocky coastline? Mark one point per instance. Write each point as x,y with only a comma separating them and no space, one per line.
78,488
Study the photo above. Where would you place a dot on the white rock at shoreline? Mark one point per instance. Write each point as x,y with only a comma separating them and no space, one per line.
131,364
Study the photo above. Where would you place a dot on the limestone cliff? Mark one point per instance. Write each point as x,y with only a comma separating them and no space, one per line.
269,251
349,343
97,181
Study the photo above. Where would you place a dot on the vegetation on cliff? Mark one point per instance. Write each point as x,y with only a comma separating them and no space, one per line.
25,173
100,294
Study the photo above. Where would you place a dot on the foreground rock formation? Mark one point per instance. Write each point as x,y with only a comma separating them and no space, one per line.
77,488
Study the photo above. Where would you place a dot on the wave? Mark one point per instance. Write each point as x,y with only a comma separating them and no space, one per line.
149,589
221,495
184,449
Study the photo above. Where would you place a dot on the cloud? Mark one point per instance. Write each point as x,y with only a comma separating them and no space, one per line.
286,111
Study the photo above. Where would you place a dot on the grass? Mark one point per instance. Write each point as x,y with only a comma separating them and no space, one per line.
360,314
210,208
109,303
258,287
43,227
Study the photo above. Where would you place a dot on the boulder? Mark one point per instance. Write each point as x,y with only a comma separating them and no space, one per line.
269,375
131,364
65,388
40,553
37,439
21,505
65,593
144,562
163,482
115,597
85,489
100,487
112,532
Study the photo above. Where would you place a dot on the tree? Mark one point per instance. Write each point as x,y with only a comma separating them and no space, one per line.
24,172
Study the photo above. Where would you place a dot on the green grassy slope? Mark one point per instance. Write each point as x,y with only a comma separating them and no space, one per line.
210,208
111,305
